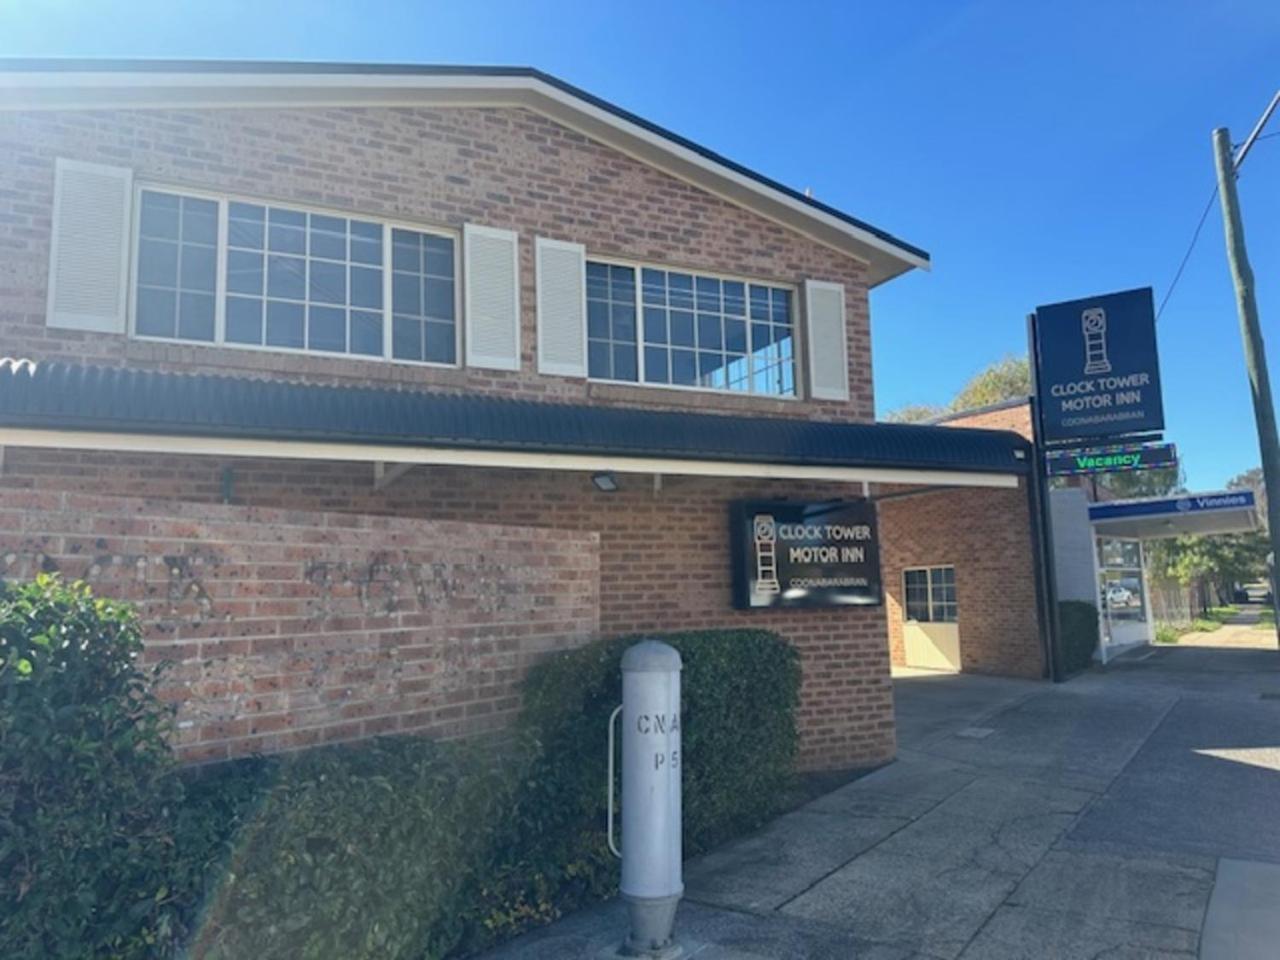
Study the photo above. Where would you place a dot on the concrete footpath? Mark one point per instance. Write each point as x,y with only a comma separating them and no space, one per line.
1128,814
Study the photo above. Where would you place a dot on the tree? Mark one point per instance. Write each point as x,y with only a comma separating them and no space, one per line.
915,413
1005,379
1222,561
1251,479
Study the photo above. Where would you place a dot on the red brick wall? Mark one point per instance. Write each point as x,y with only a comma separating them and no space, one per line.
985,535
1016,418
289,628
507,168
663,555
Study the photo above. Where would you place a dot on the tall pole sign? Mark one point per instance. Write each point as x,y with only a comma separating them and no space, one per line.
1097,371
1095,378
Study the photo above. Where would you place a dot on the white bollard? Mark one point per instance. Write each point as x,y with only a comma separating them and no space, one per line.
652,877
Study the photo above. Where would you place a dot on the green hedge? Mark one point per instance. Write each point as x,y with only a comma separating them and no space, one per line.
1078,625
394,848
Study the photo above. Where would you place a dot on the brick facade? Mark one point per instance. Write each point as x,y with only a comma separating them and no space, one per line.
986,536
663,555
290,628
662,560
508,168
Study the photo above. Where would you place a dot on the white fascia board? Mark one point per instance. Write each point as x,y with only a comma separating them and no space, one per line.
141,90
461,457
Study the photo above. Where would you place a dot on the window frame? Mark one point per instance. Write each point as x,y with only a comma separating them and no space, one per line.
219,341
929,572
637,266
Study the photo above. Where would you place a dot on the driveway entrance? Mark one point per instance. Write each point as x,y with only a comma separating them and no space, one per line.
1109,816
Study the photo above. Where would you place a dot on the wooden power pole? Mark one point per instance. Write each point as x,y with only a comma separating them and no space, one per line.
1255,356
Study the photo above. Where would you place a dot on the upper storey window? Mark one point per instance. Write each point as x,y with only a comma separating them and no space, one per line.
671,328
257,275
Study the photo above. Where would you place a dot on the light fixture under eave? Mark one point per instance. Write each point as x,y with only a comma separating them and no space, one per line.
605,482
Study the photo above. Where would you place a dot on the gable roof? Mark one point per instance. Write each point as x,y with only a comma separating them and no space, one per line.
43,84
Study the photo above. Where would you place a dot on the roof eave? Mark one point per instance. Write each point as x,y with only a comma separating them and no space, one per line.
52,85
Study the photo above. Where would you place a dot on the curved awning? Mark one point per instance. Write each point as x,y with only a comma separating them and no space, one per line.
90,407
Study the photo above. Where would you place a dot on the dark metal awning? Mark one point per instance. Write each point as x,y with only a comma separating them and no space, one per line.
89,407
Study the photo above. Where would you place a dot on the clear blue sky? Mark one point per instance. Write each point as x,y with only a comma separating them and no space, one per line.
1040,152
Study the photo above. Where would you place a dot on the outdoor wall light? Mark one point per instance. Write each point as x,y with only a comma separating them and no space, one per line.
605,482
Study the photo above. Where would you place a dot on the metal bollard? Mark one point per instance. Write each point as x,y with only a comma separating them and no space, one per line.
652,878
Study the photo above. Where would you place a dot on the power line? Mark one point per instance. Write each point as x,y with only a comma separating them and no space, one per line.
1190,247
1196,235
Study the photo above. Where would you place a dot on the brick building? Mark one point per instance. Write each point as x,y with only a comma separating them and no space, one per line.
369,385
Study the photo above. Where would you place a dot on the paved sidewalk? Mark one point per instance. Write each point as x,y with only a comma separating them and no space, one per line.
1021,820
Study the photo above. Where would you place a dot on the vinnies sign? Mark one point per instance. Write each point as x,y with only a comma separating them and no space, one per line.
1097,372
804,554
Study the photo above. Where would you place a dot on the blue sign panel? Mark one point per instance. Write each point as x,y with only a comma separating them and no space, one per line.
1097,373
1188,503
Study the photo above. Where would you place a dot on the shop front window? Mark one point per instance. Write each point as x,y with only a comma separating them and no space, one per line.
1120,579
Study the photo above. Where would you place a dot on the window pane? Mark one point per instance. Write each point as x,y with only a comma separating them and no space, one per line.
655,365
598,319
599,360
244,272
438,254
157,312
438,298
624,323
624,362
406,338
735,336
285,277
682,328
246,225
328,282
195,316
366,333
158,263
684,368
327,328
709,331
285,324
366,287
244,320
441,342
199,221
328,237
406,250
159,218
199,268
655,325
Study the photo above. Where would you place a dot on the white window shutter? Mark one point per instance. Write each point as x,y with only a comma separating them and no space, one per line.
491,260
828,341
89,249
562,307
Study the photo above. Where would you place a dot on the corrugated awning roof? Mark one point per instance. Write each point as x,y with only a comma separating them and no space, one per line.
71,397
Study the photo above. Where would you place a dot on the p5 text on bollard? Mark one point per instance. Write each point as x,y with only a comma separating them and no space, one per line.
652,878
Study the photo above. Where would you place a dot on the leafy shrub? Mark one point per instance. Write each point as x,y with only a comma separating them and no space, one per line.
87,791
368,850
739,691
1168,632
1078,631
397,847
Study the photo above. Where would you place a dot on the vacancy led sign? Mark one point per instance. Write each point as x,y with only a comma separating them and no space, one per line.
1097,374
805,554
1146,456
